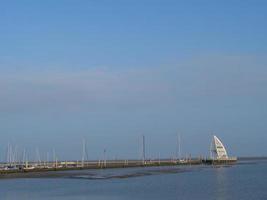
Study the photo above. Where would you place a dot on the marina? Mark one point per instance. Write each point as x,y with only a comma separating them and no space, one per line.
133,100
218,156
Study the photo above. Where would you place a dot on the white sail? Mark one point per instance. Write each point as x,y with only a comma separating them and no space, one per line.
218,150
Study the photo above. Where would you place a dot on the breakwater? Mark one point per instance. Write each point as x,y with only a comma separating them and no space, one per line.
80,165
17,168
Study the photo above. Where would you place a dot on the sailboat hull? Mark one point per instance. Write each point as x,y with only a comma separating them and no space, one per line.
220,161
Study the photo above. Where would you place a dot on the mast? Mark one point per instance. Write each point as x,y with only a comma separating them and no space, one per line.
47,158
38,157
105,158
84,152
7,154
178,147
24,157
143,149
55,158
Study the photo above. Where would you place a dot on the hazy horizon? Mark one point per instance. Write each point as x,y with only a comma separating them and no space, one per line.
111,71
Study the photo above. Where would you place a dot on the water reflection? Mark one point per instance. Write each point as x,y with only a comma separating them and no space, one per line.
221,184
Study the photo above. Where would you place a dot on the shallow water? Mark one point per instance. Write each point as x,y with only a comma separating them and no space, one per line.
244,181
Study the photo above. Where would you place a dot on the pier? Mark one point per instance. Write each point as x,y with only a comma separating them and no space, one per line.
218,156
82,165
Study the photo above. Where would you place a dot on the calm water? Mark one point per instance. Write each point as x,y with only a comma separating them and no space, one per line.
244,181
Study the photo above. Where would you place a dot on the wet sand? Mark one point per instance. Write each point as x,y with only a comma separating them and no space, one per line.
100,173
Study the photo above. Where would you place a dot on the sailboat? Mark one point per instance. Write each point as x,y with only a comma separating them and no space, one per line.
218,153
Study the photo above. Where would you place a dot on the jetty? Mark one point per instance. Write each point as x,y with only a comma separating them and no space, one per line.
82,165
218,155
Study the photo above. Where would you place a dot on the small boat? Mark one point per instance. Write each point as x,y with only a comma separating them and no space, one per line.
218,153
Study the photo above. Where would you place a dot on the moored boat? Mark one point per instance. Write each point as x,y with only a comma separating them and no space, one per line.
218,153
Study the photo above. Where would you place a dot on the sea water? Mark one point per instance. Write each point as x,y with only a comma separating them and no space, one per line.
244,181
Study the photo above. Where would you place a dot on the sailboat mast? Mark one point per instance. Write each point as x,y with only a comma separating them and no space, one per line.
144,149
179,146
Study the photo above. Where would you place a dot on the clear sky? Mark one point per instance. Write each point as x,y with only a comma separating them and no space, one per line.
109,71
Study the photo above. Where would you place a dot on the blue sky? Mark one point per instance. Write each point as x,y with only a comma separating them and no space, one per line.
110,71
